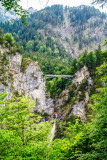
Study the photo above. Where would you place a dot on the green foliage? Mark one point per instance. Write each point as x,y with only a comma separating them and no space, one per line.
3,69
23,137
8,38
86,141
30,45
25,63
8,41
40,43
13,4
80,15
40,21
20,134
104,55
91,61
105,43
59,63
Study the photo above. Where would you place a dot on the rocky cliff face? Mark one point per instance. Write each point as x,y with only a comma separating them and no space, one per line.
74,100
76,37
31,82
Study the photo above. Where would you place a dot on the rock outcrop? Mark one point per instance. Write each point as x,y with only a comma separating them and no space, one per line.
31,82
81,75
79,108
75,103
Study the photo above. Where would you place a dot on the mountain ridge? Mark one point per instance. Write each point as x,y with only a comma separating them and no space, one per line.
75,28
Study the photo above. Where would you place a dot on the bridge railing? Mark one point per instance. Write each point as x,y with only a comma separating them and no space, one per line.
62,76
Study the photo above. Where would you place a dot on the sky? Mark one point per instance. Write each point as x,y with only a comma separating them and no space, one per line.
39,4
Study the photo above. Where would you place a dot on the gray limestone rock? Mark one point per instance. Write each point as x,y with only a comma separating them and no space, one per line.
79,110
31,83
81,75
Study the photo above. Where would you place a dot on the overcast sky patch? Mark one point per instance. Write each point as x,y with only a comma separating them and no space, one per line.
39,4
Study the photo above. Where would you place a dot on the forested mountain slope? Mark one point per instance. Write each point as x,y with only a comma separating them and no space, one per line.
22,136
81,123
54,32
75,28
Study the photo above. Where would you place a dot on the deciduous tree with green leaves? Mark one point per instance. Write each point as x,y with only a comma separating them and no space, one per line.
14,5
20,133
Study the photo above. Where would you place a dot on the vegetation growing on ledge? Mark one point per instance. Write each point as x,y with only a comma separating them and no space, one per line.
7,41
25,63
9,47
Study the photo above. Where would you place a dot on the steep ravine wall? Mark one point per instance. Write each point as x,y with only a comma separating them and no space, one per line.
74,100
65,33
31,82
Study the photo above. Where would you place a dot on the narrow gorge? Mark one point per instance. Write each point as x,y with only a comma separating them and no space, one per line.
24,76
53,83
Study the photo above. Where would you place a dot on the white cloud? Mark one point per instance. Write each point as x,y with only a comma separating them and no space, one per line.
39,4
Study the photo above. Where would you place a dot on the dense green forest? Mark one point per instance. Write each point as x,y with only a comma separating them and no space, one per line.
41,45
79,19
22,136
55,61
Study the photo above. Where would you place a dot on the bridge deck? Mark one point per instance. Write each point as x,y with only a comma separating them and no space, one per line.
62,76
